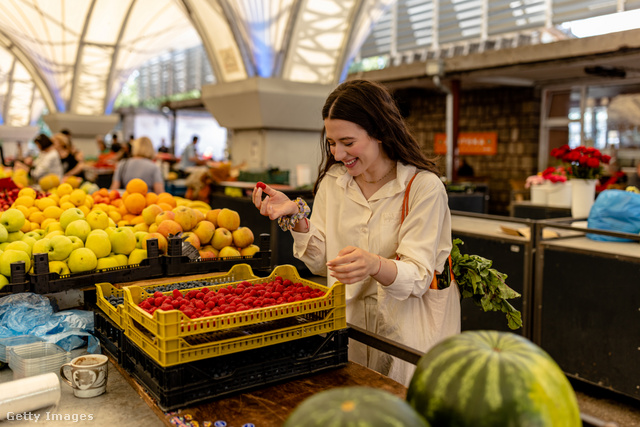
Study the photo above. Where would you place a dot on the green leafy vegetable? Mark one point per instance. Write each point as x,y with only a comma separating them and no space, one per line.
484,284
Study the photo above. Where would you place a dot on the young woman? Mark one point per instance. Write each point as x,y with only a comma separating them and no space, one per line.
140,166
355,234
71,158
47,162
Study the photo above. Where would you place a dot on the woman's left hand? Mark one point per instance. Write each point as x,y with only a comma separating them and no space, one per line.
353,265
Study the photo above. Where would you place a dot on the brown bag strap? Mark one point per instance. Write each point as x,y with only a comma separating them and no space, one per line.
405,212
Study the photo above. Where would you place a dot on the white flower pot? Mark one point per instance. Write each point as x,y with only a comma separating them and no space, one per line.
583,194
559,195
539,193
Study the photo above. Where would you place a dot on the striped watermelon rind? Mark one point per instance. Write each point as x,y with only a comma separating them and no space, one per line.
354,406
491,378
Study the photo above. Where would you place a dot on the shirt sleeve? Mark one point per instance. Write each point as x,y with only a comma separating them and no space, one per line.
424,239
116,174
310,247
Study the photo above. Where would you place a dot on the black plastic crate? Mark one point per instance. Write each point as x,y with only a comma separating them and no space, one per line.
19,280
178,264
43,281
110,335
189,383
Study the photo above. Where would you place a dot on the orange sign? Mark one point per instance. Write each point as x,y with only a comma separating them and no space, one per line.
469,143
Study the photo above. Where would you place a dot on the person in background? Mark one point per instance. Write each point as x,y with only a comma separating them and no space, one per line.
465,169
139,165
71,158
47,162
189,158
110,158
355,234
102,147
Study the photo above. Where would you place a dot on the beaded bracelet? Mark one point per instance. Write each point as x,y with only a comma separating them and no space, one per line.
288,222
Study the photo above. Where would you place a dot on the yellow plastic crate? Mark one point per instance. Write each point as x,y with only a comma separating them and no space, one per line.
238,272
174,324
175,351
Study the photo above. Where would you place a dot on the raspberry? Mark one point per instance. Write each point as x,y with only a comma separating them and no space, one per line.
261,185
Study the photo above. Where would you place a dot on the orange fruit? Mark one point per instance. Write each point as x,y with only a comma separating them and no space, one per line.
151,197
137,220
135,203
168,199
165,206
137,185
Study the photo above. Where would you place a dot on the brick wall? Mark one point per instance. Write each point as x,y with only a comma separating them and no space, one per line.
514,113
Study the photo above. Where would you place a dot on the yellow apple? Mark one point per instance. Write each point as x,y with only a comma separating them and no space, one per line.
14,235
107,262
19,245
164,215
198,214
150,213
153,228
249,250
77,197
169,226
57,248
4,234
98,220
53,226
242,237
212,216
3,281
207,254
36,234
221,238
204,230
141,227
98,242
228,251
82,259
45,202
121,258
192,238
79,228
12,219
123,240
76,242
10,256
59,267
185,217
140,237
70,215
136,256
228,219
28,240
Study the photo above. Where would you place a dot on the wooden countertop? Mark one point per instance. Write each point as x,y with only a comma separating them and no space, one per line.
270,406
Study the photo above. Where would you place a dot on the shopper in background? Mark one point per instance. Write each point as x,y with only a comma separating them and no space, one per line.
71,158
47,162
355,235
189,158
102,147
139,165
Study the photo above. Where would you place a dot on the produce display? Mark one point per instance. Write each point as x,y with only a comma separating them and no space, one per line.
354,406
491,378
84,229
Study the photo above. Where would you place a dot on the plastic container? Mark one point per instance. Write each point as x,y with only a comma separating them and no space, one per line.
174,324
116,313
109,334
194,382
177,264
5,343
36,358
43,281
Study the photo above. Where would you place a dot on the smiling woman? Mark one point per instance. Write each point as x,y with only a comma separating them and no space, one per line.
356,235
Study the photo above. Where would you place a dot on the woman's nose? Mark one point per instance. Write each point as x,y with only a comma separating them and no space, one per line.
338,153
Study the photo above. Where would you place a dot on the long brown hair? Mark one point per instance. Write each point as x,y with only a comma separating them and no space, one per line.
370,105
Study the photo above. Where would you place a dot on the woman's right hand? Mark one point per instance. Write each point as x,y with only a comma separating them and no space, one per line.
275,204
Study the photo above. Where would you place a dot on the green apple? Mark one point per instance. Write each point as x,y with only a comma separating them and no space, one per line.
3,281
141,236
19,245
3,245
121,258
82,259
12,219
10,256
98,220
69,216
98,242
137,255
59,267
76,242
79,228
112,223
123,240
107,262
36,234
57,248
109,229
28,240
15,235
4,234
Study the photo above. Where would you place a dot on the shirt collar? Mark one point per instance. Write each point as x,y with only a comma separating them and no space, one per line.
403,175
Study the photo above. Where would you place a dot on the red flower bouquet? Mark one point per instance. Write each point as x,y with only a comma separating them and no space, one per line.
582,162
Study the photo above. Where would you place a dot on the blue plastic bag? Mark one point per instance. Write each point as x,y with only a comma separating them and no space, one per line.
32,314
615,210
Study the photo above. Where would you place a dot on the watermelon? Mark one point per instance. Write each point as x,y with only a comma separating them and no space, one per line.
354,406
491,378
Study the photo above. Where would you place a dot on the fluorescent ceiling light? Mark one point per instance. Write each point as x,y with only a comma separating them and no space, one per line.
621,21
